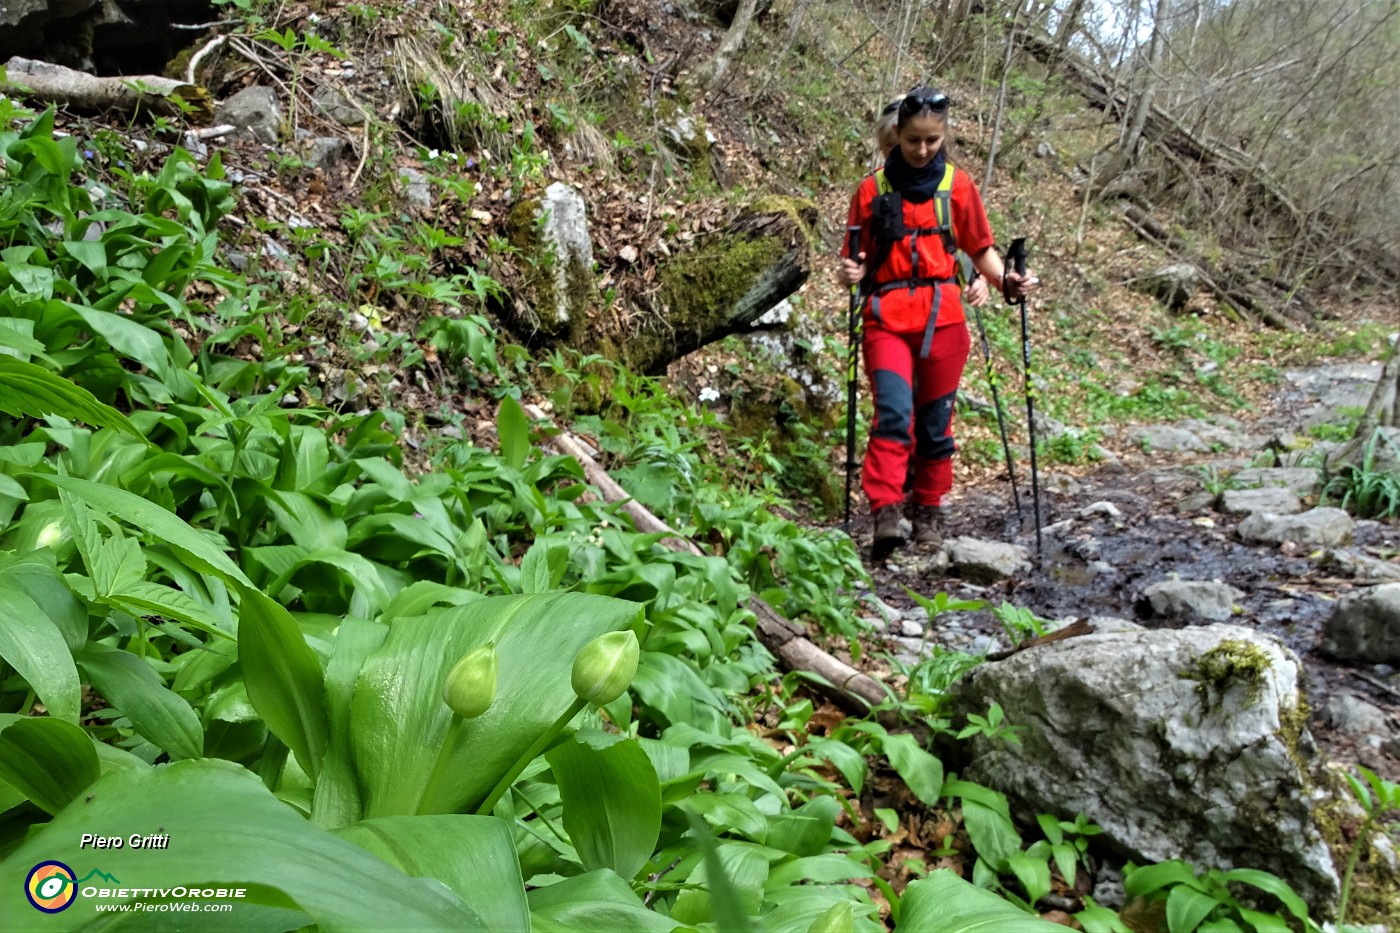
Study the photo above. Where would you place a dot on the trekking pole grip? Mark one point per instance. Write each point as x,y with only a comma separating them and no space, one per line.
1016,258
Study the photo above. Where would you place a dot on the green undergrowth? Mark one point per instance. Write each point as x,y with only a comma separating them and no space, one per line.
232,610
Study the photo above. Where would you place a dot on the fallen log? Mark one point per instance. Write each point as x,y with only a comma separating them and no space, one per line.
839,682
55,84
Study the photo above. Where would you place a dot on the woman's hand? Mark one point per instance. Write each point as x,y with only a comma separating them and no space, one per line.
850,272
1017,285
976,292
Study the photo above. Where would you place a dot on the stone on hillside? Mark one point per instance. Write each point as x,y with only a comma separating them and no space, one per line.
1182,744
1227,436
254,112
416,189
1323,525
1365,626
1174,284
985,561
690,138
1278,500
326,152
1355,716
553,230
1190,600
1060,483
1155,437
1301,480
1102,507
334,103
1195,502
1361,566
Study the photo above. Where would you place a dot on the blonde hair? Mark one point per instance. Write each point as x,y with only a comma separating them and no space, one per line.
887,128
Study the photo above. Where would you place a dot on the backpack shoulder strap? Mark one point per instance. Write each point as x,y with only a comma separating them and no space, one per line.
943,207
882,184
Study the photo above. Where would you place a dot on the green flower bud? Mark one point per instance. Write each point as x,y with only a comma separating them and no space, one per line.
605,667
471,684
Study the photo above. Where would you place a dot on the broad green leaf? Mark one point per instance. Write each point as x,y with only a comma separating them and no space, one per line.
1145,879
599,900
725,902
612,801
807,829
1187,907
283,677
1264,923
543,566
472,855
337,799
128,338
130,685
845,759
194,547
817,869
513,428
992,833
34,646
90,253
948,904
731,812
1271,883
34,392
144,598
368,597
398,718
119,563
36,575
227,829
47,760
307,521
921,771
1033,873
417,598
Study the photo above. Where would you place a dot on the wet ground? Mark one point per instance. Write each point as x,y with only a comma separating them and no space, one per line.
1098,564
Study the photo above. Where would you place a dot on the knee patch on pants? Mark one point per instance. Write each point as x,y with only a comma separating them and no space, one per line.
931,428
894,405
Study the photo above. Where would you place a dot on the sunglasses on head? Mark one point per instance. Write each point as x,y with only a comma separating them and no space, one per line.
914,104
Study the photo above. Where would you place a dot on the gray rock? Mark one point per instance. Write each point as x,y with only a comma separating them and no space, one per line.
1365,626
255,112
1102,507
1191,600
1195,502
1047,428
416,189
1108,889
326,152
985,561
1361,566
1355,716
1323,525
22,24
1226,436
333,103
1301,480
1167,437
1276,499
910,629
1060,483
1174,285
563,284
689,136
1186,744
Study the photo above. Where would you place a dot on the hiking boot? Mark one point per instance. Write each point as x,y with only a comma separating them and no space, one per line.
888,533
928,526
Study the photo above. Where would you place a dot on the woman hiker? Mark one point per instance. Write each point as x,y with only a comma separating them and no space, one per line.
912,216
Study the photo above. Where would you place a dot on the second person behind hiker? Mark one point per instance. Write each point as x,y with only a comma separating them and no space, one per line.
916,339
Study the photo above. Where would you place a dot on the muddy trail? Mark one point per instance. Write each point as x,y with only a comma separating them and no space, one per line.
1148,517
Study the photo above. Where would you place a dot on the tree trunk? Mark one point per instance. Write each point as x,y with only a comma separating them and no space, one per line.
1069,25
1126,155
709,76
55,84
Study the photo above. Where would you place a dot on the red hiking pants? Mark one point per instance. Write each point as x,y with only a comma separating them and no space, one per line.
913,412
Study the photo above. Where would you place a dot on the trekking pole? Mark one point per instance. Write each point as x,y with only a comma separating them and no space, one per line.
852,335
992,380
1016,255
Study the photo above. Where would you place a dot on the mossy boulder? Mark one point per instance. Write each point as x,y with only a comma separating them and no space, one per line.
1182,744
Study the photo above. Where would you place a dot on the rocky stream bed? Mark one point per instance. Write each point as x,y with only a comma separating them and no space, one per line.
1188,524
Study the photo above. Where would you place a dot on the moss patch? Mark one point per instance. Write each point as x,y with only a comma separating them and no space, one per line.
1229,663
1375,885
